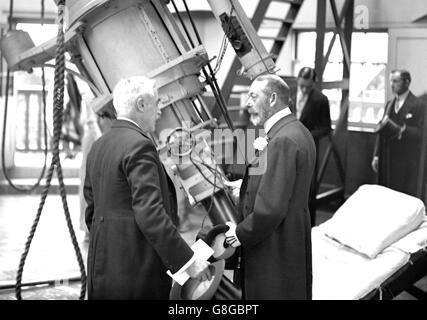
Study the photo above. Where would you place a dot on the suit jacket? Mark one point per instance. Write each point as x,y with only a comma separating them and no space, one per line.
316,114
399,159
275,229
130,214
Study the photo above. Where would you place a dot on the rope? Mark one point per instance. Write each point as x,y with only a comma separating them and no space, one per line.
80,76
57,122
3,145
6,105
3,158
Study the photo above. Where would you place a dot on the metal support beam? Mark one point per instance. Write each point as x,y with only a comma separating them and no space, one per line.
342,34
346,46
338,140
332,42
320,40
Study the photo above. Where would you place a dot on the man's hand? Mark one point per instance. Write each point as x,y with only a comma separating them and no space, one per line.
375,164
402,129
230,235
199,269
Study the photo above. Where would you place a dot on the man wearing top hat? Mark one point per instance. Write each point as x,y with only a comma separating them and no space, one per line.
398,143
274,231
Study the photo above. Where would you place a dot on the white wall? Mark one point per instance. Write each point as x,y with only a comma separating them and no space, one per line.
382,13
407,50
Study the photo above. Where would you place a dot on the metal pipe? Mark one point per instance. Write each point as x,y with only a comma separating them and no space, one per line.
222,209
42,282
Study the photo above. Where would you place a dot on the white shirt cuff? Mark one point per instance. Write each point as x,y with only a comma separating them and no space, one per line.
232,233
201,251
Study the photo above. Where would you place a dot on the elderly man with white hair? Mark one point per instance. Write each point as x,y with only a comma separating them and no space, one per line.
131,212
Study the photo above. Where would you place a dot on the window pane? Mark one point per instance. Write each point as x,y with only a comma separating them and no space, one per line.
29,92
358,47
336,53
379,44
367,89
333,71
369,54
33,121
334,97
21,117
306,48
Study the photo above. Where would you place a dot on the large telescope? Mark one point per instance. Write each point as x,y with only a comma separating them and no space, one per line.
113,39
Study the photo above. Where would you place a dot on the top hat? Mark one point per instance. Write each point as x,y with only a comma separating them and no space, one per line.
195,289
215,238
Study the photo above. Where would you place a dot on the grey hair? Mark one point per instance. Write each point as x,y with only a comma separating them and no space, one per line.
128,90
275,84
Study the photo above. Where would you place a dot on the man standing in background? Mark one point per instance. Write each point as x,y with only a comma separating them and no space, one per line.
312,106
399,141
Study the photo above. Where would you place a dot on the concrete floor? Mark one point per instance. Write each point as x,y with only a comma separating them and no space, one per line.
52,257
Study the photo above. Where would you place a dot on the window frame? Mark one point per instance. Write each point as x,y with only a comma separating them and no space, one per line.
352,126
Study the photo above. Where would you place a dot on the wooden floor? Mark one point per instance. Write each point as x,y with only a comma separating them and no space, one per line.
52,258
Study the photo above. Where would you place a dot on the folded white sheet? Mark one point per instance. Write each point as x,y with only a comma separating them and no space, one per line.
373,218
340,273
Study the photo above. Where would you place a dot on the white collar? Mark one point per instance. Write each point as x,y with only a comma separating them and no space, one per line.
403,96
270,122
127,119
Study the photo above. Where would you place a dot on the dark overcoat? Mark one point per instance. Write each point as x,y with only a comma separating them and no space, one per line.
275,230
130,214
399,158
316,113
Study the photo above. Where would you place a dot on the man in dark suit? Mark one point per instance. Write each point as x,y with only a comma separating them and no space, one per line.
311,105
131,206
274,231
398,145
